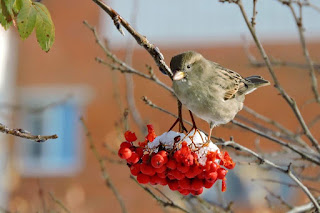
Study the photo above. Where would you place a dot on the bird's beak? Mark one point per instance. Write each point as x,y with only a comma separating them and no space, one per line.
178,75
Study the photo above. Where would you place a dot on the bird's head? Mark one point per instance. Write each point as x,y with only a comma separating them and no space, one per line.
184,64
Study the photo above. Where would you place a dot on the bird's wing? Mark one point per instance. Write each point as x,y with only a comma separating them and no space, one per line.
231,82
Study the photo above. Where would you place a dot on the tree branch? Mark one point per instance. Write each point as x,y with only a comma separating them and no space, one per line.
269,163
277,85
25,134
104,172
141,40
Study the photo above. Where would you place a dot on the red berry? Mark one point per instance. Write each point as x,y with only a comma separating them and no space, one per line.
190,173
155,179
171,177
145,158
207,167
193,171
142,178
196,184
130,136
171,164
208,184
134,158
178,155
139,151
212,176
177,174
161,169
147,169
201,175
211,156
221,173
157,161
151,134
124,153
163,181
197,192
135,169
185,183
214,167
184,144
224,185
162,175
164,154
173,185
182,167
189,160
125,145
184,191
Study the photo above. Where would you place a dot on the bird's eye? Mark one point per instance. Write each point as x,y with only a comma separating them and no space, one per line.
189,66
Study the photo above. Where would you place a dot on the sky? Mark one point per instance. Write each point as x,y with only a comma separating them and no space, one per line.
207,22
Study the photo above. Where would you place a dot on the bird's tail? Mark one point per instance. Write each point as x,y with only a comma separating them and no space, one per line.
253,82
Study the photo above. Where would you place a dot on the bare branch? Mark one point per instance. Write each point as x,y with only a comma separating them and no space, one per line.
130,70
104,172
302,153
59,203
304,208
306,54
254,13
283,183
282,201
25,134
284,130
277,85
269,163
124,68
129,79
141,40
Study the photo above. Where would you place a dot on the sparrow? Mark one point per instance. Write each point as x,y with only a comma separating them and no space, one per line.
212,92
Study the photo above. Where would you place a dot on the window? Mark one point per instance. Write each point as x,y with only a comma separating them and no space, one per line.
46,112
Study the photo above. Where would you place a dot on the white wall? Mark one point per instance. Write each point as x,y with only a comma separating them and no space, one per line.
8,59
208,22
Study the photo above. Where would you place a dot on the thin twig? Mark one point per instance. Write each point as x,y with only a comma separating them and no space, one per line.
282,201
136,72
284,183
254,13
25,134
103,168
305,155
314,82
304,208
124,68
129,79
41,196
284,170
274,62
141,40
59,203
277,85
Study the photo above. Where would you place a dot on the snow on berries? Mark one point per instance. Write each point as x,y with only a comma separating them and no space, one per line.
186,163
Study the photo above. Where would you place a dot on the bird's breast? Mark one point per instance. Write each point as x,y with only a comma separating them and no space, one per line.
206,101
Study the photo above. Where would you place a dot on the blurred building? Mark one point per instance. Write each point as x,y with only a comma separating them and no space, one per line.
49,92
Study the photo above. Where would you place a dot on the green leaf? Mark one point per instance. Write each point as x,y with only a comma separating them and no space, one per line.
45,31
5,18
17,6
26,20
9,6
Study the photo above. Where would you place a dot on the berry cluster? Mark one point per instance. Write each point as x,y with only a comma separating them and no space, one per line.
181,165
